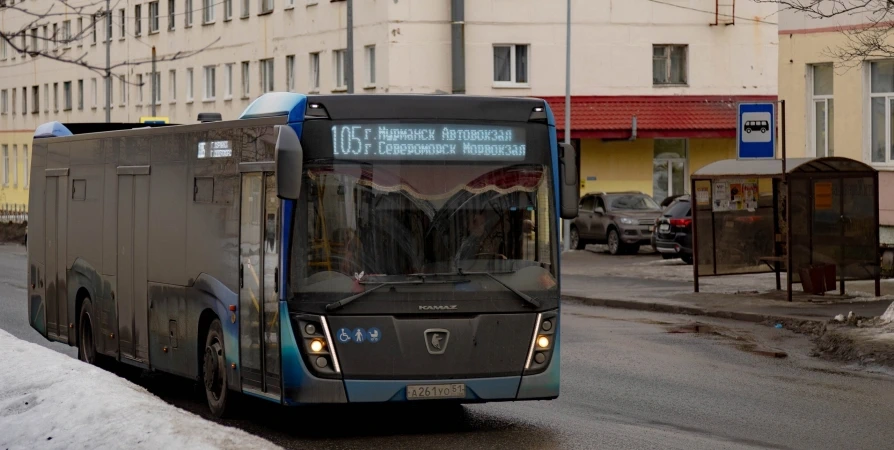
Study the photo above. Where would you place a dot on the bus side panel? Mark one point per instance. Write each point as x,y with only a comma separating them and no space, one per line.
108,345
210,294
37,311
168,351
85,230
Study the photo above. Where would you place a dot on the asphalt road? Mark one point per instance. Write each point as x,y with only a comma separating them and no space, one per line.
629,380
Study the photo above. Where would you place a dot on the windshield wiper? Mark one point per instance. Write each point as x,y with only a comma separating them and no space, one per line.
340,303
527,298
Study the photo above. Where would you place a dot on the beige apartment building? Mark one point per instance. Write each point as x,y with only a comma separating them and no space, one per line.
654,83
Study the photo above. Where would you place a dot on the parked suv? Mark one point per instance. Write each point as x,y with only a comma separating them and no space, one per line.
673,230
621,220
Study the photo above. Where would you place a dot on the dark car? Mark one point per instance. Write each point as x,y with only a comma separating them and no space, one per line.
622,221
673,230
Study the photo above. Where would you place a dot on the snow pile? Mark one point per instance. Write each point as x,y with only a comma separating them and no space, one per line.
49,400
888,316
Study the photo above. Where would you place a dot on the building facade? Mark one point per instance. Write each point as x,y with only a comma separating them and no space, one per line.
676,67
834,106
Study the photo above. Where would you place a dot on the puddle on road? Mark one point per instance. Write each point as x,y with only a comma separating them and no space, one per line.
743,343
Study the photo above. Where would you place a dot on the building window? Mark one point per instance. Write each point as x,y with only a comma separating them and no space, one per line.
266,6
15,165
245,7
228,9
55,37
24,101
881,106
138,20
669,64
46,97
156,76
210,87
66,34
171,14
669,168
188,16
92,31
122,82
822,110
95,94
341,76
140,87
511,64
3,49
5,165
109,26
34,43
314,71
153,17
245,79
266,75
290,73
107,86
290,4
122,22
80,95
45,33
228,81
370,52
26,169
35,99
80,31
189,95
13,102
208,11
66,90
4,101
172,85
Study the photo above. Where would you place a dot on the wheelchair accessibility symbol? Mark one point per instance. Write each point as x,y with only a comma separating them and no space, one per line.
343,335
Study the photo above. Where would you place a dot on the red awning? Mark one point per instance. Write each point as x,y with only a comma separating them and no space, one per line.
656,116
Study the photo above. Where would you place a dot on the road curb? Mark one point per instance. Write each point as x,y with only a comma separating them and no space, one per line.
804,326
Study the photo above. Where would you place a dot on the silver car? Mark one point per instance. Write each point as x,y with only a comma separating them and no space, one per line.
623,221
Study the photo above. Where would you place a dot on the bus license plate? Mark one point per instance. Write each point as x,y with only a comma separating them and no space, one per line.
436,391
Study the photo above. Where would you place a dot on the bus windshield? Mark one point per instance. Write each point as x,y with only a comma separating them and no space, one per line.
382,222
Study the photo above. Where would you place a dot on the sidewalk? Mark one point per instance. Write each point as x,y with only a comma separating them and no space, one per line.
646,282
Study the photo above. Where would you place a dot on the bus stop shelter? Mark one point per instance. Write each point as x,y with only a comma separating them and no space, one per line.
815,218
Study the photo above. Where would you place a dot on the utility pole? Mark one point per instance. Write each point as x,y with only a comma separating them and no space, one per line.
349,53
108,62
154,86
567,224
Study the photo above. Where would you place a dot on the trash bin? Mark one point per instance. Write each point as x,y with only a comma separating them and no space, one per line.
818,279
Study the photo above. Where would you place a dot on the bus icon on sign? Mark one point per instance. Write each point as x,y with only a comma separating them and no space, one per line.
756,127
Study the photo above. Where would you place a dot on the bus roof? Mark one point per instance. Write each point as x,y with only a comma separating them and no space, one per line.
298,107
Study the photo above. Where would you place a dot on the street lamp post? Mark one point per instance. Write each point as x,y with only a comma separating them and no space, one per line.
567,224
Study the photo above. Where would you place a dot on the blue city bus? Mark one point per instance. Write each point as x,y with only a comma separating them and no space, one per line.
319,249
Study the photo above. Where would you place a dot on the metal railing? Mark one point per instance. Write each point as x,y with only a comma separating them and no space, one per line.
13,213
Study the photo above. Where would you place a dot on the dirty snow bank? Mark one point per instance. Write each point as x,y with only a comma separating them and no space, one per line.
888,316
49,400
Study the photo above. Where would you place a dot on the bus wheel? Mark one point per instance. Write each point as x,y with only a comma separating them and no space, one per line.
86,345
214,371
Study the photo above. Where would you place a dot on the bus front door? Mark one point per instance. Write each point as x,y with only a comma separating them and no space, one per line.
258,286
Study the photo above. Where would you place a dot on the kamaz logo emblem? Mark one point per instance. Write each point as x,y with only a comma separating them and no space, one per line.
437,307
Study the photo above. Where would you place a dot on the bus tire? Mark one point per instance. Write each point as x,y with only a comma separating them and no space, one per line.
214,371
86,342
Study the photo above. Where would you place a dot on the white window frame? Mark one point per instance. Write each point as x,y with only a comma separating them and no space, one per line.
26,169
208,11
122,83
189,85
172,85
314,67
66,34
140,83
513,76
5,165
290,73
210,76
153,18
669,64
80,32
187,20
228,9
95,90
265,7
246,79
55,97
826,100
46,98
172,15
246,9
338,69
92,30
290,4
80,95
122,27
267,73
15,165
228,81
4,101
3,50
369,53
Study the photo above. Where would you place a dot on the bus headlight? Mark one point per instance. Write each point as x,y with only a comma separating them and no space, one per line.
315,343
542,343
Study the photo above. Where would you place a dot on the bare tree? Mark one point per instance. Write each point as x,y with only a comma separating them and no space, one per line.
39,35
871,38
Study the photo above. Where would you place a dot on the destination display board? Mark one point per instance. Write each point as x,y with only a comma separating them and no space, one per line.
417,141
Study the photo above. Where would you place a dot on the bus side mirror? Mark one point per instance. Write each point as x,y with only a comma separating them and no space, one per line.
289,160
569,182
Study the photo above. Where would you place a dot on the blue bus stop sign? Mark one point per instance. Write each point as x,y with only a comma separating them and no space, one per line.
756,132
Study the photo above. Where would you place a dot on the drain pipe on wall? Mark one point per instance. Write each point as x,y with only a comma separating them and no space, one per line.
633,130
458,45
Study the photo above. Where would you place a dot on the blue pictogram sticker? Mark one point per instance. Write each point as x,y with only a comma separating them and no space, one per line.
374,335
359,336
343,335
